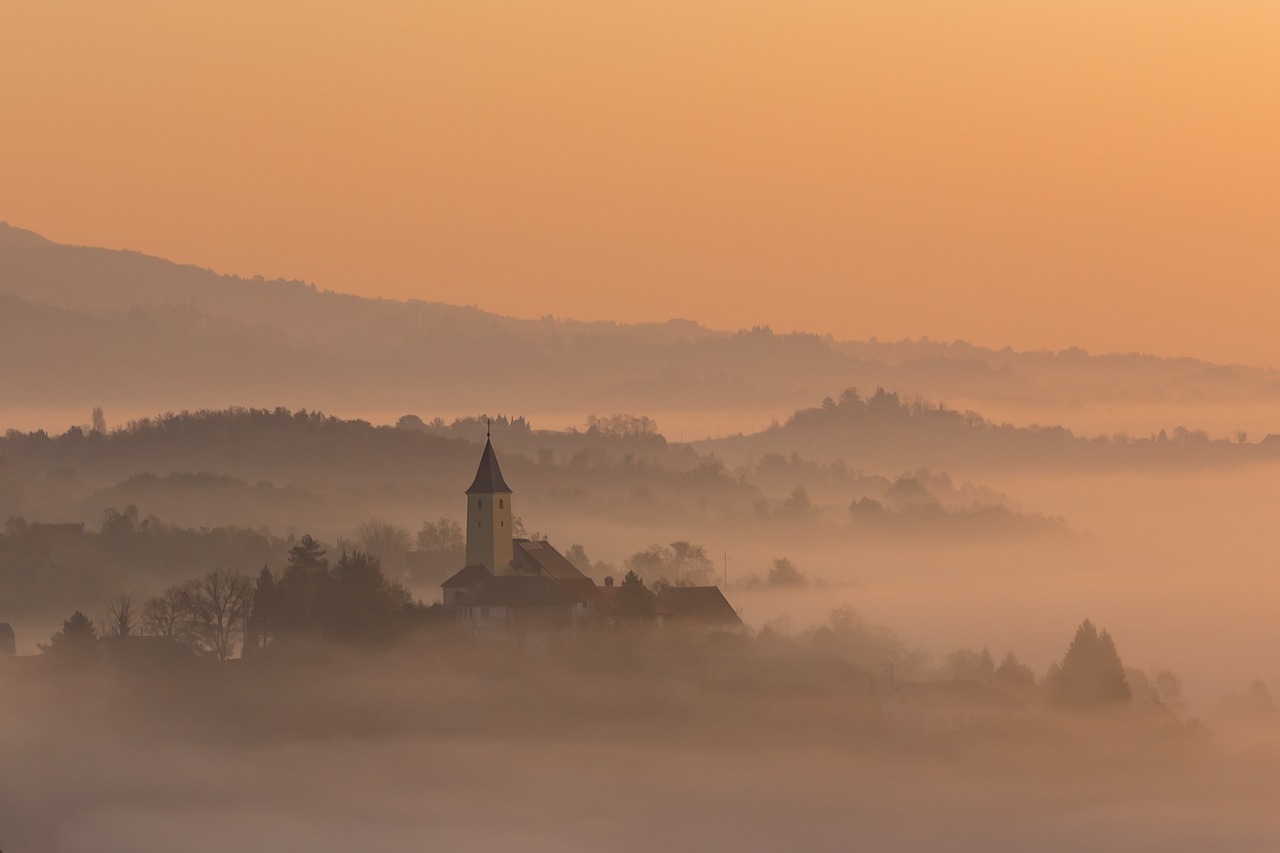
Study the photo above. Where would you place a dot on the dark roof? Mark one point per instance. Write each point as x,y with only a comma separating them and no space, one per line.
488,476
608,595
518,591
537,556
469,576
699,604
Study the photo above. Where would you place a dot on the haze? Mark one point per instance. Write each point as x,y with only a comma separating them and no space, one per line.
1037,175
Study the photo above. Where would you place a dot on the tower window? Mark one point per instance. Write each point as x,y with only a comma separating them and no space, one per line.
480,503
501,503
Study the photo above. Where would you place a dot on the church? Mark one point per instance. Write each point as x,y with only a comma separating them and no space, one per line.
521,586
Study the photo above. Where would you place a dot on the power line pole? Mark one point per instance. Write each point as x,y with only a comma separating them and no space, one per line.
726,568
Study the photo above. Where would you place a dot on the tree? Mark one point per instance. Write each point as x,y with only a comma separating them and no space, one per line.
442,535
681,562
382,539
1091,674
1011,673
784,573
77,639
99,421
578,556
302,587
691,563
361,605
121,620
169,615
219,607
263,613
634,602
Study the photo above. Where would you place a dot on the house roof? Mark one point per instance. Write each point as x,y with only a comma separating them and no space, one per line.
607,595
488,476
699,604
537,556
518,591
468,576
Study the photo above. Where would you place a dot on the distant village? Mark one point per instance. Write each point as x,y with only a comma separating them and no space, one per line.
510,588
527,587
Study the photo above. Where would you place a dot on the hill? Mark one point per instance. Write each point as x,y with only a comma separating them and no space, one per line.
123,330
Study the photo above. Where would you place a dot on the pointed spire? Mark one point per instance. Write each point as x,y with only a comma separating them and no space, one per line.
488,476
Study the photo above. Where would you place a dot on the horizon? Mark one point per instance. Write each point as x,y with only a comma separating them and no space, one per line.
730,330
1035,177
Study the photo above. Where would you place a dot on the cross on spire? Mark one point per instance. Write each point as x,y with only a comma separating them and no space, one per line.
488,426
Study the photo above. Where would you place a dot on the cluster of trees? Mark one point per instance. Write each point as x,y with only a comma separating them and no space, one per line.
678,563
886,430
227,612
782,574
348,601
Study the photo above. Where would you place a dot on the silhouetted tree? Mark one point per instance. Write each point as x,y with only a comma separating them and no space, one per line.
170,615
302,588
99,421
634,602
219,606
1091,674
442,535
121,620
263,613
1011,673
361,605
77,638
784,573
382,539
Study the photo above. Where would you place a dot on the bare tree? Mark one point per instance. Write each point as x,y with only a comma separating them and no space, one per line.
382,539
220,604
170,614
122,619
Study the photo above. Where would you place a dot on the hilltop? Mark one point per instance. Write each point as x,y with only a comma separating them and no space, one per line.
121,329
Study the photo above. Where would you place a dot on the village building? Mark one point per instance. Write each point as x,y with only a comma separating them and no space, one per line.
522,586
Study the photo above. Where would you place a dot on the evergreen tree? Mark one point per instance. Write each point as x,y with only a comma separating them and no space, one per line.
1091,674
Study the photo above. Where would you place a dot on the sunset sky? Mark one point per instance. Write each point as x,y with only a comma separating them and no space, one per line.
1099,174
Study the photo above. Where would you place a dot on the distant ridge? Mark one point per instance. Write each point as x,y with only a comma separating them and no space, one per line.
94,326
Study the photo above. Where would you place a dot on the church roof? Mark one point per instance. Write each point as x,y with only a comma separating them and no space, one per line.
468,576
488,476
538,556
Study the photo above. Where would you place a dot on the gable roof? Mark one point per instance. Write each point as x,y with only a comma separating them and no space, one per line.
705,604
518,591
488,476
468,576
538,556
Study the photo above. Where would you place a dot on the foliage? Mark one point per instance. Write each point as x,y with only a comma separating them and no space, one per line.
784,573
1091,674
77,638
680,563
444,534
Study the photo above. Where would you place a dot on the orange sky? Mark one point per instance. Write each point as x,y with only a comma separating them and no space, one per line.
1101,174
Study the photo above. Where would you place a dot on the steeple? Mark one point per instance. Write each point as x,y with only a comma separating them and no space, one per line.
488,479
489,518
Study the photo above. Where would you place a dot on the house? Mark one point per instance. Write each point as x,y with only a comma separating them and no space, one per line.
523,586
699,607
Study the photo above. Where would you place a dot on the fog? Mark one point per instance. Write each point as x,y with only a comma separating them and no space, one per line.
930,546
683,748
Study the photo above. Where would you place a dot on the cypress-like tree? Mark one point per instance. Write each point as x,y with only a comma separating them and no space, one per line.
1091,674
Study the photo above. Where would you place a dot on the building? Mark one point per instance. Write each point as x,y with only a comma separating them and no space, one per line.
525,586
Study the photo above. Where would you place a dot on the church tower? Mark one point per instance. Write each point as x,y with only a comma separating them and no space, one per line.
489,536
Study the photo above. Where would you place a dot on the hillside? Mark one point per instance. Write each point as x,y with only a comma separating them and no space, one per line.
123,330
